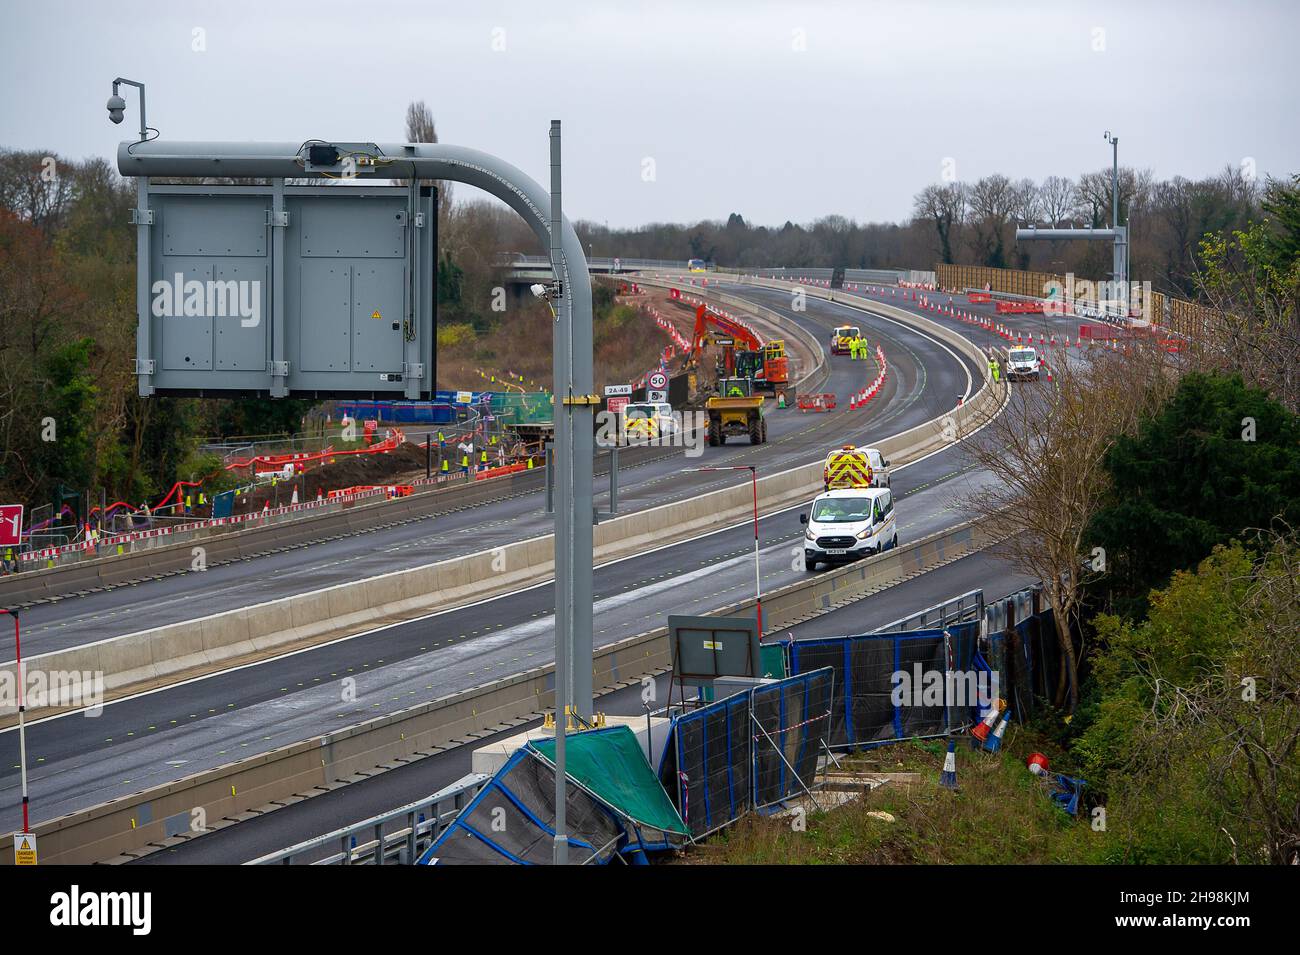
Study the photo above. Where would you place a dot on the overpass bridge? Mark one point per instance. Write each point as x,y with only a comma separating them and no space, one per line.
537,268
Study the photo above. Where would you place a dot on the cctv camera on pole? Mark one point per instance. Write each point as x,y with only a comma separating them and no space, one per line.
117,106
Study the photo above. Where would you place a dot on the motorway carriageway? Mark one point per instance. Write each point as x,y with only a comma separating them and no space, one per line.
923,381
416,780
405,784
163,735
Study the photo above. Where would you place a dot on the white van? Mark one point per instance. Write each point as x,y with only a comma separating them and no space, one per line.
846,524
1022,363
879,468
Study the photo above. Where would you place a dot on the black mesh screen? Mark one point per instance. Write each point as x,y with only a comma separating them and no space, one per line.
790,722
707,772
926,660
513,819
815,657
871,710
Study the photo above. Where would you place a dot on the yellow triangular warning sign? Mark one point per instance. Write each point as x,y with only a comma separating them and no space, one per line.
375,314
24,848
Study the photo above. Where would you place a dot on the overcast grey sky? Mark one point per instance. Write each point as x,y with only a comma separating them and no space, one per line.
773,110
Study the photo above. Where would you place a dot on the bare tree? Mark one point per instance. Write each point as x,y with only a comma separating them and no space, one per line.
1026,201
1093,195
1057,198
38,187
420,128
992,201
1046,453
945,207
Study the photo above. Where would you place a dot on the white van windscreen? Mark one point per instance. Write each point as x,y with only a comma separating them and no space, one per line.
842,510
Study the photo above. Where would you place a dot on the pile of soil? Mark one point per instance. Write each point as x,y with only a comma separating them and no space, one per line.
396,467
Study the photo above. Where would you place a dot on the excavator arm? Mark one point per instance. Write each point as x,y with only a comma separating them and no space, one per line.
744,337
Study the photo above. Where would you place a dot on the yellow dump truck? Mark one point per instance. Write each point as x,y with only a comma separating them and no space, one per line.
735,412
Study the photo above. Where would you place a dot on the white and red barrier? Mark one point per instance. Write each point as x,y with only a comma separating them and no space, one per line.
297,461
131,537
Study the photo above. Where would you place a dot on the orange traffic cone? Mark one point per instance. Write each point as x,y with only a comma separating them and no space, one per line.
981,732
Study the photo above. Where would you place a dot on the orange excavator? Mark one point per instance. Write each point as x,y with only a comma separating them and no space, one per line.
744,354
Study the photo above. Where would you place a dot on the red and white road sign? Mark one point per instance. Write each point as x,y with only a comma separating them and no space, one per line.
11,525
617,404
658,381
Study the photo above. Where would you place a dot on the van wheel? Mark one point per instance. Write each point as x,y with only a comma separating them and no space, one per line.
810,564
894,542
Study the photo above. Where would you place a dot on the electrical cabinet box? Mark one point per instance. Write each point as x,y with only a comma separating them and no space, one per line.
314,291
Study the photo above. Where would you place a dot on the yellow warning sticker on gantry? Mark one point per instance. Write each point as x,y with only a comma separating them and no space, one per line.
375,314
24,848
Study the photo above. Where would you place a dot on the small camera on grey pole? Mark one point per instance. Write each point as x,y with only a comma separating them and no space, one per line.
116,108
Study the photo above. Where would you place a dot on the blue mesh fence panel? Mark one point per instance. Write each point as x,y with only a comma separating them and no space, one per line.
512,818
965,637
791,719
862,705
706,764
922,658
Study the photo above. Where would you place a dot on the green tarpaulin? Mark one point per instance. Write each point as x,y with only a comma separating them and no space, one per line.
609,763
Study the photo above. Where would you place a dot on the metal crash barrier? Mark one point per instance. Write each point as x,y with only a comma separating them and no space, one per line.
396,837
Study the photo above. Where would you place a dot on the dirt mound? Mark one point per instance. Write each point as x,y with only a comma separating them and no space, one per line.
399,466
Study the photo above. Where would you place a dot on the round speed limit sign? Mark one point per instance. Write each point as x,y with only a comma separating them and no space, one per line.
658,381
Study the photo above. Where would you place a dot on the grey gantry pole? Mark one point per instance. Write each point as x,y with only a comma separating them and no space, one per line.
1117,235
574,401
1114,180
562,460
1119,265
